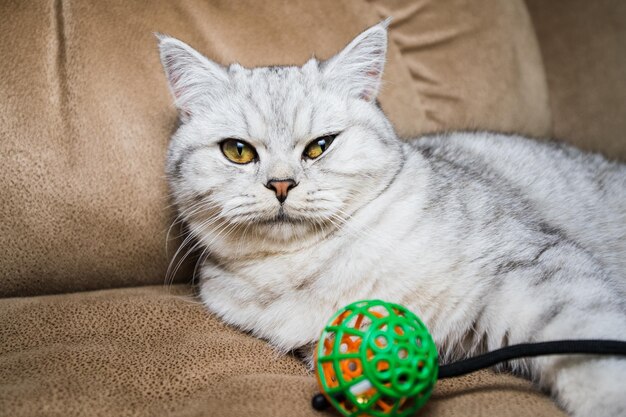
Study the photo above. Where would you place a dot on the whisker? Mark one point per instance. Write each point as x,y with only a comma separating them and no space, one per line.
171,273
189,211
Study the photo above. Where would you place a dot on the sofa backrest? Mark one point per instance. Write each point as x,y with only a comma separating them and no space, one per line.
583,45
85,113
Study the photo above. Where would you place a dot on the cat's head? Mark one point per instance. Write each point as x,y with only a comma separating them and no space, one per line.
278,151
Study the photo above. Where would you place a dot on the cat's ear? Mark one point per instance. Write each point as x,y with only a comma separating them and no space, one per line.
359,66
192,77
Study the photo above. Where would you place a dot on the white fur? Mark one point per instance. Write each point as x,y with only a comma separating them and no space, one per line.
491,239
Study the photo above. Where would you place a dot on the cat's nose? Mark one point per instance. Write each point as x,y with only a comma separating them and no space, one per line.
281,187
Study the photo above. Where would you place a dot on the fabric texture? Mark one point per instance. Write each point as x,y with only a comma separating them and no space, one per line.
85,114
473,64
582,43
155,351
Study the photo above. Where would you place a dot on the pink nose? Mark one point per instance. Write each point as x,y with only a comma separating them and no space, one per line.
281,187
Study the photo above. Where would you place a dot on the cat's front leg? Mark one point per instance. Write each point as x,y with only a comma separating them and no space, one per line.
587,386
566,295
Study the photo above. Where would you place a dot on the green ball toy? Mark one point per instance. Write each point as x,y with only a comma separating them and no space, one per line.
376,359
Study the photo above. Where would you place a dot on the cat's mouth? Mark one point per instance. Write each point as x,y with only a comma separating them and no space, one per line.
282,218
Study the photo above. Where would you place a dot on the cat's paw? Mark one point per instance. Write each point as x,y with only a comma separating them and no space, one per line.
593,387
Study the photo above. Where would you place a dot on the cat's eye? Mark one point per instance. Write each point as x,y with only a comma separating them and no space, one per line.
318,146
238,151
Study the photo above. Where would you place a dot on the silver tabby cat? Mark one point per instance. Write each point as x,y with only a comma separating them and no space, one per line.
302,198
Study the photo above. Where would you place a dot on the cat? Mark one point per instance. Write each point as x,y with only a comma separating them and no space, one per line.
303,199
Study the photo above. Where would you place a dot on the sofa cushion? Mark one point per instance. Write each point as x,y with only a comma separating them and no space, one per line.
85,113
155,351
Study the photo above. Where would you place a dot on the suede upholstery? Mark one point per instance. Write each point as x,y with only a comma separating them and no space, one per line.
85,117
583,47
155,351
473,65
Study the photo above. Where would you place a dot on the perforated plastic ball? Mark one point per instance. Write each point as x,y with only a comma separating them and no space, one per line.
376,359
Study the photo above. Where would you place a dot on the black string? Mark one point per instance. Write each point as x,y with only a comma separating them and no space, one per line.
486,360
526,350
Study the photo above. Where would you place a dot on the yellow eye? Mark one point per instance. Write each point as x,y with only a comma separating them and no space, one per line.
238,151
318,146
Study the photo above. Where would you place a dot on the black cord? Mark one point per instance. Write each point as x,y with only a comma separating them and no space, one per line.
525,350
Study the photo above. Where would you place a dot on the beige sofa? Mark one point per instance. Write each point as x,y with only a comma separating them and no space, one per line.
87,324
